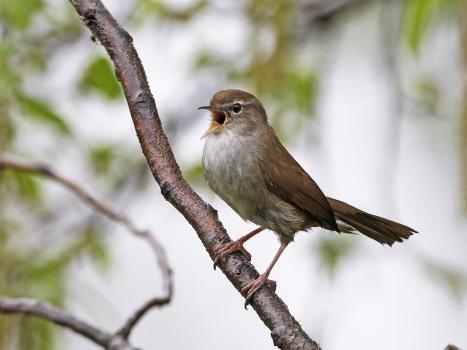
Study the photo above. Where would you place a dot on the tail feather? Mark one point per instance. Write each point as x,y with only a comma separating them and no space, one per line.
380,229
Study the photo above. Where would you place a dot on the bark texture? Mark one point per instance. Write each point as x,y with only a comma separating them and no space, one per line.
285,330
49,312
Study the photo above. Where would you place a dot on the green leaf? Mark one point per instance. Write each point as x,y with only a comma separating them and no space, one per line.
429,93
36,334
160,8
99,77
41,111
7,127
454,279
26,184
101,157
9,77
94,245
300,91
332,251
194,173
418,17
203,59
19,13
46,283
463,149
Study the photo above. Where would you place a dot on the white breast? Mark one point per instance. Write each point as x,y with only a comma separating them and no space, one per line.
231,170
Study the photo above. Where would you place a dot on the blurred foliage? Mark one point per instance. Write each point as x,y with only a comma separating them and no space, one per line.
331,252
20,267
101,157
463,152
99,76
39,241
39,273
164,11
41,111
429,94
455,279
419,14
272,61
25,185
194,173
463,128
463,145
276,70
19,14
117,167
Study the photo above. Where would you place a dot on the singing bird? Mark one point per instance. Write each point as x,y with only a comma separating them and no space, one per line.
247,166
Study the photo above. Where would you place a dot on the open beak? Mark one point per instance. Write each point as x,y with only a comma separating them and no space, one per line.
218,119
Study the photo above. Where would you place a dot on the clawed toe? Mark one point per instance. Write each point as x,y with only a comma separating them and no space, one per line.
251,288
225,249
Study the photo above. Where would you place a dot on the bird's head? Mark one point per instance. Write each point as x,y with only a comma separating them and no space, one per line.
231,109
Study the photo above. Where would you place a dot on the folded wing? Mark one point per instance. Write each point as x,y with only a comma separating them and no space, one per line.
286,178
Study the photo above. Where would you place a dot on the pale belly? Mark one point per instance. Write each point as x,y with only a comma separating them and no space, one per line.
232,171
233,174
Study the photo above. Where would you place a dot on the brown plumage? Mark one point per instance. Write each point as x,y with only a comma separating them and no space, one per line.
295,186
247,166
380,229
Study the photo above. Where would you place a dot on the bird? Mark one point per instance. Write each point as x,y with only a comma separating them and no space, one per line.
247,166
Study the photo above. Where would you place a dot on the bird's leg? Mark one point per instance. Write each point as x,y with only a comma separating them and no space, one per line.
225,249
251,288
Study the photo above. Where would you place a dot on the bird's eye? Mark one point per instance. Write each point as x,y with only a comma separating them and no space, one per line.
237,107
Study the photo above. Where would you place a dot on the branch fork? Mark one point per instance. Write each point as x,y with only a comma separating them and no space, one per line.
286,332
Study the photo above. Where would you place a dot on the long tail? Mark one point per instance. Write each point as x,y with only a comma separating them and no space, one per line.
384,231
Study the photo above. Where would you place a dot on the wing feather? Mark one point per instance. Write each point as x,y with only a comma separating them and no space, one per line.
288,180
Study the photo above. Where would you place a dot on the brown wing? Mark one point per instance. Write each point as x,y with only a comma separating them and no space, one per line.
287,179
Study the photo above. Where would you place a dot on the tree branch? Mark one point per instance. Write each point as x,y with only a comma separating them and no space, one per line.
61,318
285,330
126,329
44,170
166,272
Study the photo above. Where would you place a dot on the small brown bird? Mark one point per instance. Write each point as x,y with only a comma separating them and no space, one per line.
247,166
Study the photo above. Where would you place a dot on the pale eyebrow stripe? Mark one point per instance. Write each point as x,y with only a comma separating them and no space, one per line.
243,103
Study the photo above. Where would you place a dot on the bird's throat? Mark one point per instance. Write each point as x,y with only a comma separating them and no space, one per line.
218,120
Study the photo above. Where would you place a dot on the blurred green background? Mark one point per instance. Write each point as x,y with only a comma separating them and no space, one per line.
44,230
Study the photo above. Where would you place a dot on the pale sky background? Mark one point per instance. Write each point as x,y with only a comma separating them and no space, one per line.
381,298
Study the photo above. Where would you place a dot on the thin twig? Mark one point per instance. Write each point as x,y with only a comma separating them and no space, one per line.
7,162
57,316
131,322
161,257
286,332
139,313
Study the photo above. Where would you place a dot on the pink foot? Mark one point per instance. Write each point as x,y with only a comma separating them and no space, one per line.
251,288
225,249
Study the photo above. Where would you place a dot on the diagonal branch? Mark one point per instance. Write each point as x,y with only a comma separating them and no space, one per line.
126,329
57,316
81,193
44,170
285,330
